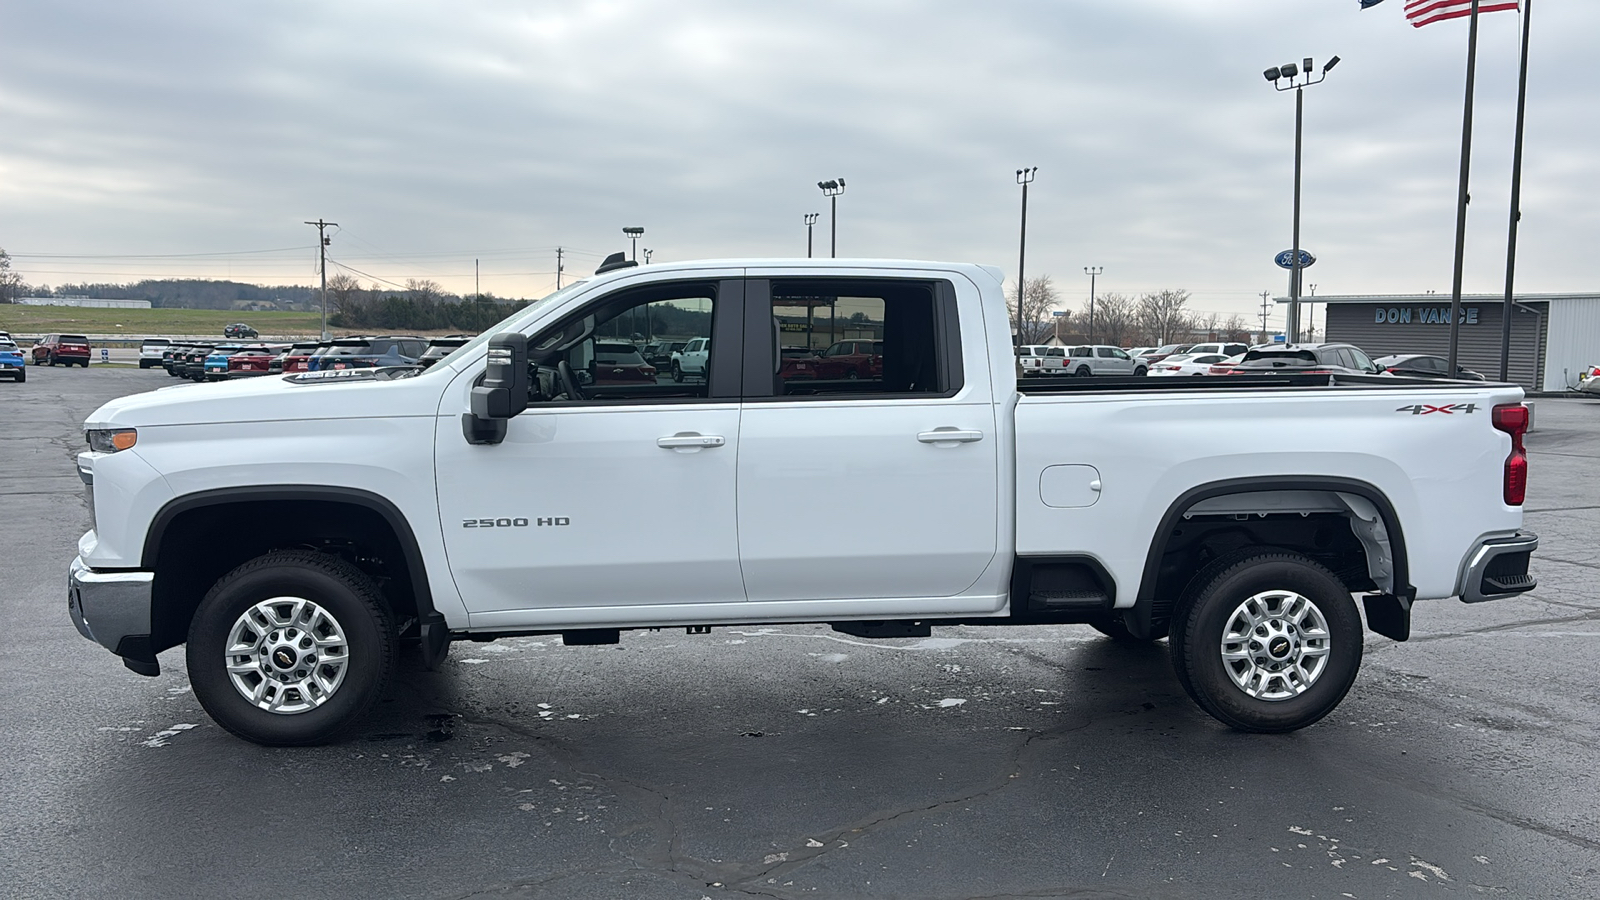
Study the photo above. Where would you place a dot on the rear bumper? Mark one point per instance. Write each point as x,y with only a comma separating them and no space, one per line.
113,609
1497,568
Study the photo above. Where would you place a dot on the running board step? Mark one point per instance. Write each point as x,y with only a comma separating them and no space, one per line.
892,628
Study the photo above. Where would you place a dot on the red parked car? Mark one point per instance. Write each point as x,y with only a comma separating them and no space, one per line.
251,361
298,357
55,349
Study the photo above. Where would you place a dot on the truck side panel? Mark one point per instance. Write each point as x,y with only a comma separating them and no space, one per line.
1146,450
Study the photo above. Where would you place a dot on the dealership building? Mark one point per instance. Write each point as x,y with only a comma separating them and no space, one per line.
1553,336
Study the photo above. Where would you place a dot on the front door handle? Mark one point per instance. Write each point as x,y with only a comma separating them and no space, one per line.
691,440
949,434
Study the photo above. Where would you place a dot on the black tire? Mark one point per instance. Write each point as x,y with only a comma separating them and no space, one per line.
21,376
1083,372
677,373
1141,371
346,593
1203,616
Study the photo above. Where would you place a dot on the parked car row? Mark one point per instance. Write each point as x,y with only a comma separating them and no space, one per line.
1224,358
224,360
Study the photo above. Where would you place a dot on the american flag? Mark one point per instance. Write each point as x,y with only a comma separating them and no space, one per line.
1426,12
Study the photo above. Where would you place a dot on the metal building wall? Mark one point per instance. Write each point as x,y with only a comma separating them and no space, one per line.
1479,348
1574,340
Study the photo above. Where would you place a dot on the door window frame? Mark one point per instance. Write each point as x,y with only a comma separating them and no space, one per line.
724,357
761,359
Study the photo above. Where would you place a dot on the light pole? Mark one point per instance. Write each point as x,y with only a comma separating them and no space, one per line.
1024,178
811,220
831,189
1093,272
634,233
647,254
1297,80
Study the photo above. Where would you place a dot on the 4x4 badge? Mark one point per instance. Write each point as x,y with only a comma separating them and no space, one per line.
1450,409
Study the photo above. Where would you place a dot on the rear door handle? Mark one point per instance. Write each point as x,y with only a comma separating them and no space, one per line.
950,435
691,440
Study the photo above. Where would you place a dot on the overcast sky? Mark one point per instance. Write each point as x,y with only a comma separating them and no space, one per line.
436,133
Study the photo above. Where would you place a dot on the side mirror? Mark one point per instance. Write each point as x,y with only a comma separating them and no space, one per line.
503,393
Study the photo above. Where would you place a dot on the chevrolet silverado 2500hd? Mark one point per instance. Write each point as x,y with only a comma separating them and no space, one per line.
291,530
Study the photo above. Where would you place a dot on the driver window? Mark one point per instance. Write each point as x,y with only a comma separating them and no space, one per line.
632,347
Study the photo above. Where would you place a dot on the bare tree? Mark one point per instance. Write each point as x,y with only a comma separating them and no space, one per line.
424,289
1113,318
1032,323
10,281
1162,316
1236,330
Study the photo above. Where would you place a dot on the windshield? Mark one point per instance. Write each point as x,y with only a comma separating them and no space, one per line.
617,355
1267,359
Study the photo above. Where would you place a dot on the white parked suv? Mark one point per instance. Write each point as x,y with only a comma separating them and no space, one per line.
150,352
479,499
692,359
1100,359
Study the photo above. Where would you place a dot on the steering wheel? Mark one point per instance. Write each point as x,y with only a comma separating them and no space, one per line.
569,381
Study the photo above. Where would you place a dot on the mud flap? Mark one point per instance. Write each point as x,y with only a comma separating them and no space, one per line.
435,641
1388,615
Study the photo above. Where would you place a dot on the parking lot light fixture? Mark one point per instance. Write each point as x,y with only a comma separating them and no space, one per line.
634,232
831,189
1290,77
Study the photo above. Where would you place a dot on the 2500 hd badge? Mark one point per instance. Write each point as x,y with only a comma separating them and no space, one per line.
515,523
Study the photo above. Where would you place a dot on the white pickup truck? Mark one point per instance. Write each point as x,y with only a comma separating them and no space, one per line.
292,530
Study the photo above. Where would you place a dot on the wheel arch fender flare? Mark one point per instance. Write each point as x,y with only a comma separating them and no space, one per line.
1139,618
377,503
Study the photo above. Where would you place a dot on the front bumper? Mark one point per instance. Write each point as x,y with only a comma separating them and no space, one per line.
1497,568
112,609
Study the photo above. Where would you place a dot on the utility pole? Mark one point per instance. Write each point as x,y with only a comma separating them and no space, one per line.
1092,272
1266,304
1024,178
558,268
476,290
322,264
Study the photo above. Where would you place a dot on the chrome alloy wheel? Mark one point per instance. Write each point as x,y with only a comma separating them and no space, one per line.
287,655
1275,645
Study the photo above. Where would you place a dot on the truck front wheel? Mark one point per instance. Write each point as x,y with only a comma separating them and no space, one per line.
1267,643
290,648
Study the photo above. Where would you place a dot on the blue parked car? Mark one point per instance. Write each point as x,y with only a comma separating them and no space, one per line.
370,352
12,361
215,365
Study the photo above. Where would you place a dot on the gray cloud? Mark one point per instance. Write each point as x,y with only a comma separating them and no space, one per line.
436,133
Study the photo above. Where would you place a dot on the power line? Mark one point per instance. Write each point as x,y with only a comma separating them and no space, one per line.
154,255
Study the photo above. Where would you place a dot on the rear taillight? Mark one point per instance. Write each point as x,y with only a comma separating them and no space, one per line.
1513,420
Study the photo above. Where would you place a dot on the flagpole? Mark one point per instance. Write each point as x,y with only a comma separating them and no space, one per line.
1461,192
1516,204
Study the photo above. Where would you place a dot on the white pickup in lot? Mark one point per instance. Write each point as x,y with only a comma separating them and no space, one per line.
291,530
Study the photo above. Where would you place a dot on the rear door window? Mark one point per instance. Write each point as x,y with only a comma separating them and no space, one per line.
885,336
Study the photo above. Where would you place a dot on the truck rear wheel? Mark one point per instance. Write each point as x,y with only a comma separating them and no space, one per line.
290,648
1267,643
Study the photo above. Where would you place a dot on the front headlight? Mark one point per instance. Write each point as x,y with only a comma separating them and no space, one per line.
110,440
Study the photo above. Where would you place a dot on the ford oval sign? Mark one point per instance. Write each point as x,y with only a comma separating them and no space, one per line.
1285,260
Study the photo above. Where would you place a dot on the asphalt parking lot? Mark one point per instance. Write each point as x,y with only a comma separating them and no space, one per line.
795,762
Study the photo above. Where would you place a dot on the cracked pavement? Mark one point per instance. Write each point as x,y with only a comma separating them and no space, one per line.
792,762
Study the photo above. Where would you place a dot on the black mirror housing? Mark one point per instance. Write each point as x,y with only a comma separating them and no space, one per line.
503,393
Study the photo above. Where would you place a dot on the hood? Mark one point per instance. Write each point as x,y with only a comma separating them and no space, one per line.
274,398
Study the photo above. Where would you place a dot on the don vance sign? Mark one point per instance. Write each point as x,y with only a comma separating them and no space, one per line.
1422,315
